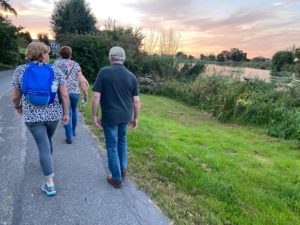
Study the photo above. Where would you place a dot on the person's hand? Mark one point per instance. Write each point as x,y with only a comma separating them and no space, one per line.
97,122
86,83
65,119
134,123
85,97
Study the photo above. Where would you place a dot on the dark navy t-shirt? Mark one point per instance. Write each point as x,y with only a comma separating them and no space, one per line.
117,86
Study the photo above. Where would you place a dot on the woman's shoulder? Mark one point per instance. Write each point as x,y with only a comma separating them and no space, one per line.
59,62
76,63
56,68
20,69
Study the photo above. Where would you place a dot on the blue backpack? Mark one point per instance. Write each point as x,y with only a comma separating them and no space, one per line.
37,82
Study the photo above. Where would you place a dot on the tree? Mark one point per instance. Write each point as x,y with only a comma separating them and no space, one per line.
110,24
181,55
91,50
72,16
191,57
282,61
4,5
131,40
237,55
9,51
220,57
234,54
203,57
169,42
211,57
26,36
43,37
297,53
226,55
150,41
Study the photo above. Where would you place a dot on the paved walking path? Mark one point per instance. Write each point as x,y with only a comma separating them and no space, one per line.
83,195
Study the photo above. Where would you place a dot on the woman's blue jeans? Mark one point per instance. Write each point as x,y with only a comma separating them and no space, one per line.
73,116
116,146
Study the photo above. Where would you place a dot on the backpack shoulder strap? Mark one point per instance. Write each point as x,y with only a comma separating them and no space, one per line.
50,68
25,77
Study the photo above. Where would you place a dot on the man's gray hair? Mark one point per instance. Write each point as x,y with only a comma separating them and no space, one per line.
117,53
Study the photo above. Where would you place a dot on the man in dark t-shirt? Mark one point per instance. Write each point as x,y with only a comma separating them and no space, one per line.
117,92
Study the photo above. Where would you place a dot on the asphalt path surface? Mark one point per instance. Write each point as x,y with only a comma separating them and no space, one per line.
83,195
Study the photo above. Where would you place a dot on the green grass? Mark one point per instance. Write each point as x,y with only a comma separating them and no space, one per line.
201,171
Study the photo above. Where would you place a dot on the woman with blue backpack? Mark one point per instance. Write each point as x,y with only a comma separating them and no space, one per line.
75,80
36,86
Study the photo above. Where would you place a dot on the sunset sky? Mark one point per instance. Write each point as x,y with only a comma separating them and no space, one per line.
258,27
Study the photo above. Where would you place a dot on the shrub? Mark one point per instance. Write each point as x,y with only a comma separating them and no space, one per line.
91,50
285,124
190,71
9,50
282,61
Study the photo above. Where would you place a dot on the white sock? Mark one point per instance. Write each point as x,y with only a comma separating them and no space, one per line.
50,185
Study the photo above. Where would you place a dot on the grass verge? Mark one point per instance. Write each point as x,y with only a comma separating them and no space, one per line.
201,171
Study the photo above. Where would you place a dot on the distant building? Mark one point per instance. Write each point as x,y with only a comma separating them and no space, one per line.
260,59
54,48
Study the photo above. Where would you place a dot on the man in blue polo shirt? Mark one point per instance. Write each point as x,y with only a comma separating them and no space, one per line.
117,92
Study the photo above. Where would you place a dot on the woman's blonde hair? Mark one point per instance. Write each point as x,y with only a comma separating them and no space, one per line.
35,51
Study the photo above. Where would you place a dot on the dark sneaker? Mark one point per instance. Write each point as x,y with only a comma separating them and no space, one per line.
68,141
49,191
114,183
123,173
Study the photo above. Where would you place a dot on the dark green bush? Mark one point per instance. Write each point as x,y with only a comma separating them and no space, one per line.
91,50
282,61
9,50
190,71
285,123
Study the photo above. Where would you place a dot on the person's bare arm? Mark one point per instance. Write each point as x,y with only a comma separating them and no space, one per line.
84,84
16,99
95,107
136,111
66,103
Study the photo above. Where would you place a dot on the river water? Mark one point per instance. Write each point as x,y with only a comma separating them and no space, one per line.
243,72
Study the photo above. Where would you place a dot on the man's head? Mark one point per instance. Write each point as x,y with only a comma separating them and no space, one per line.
117,55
